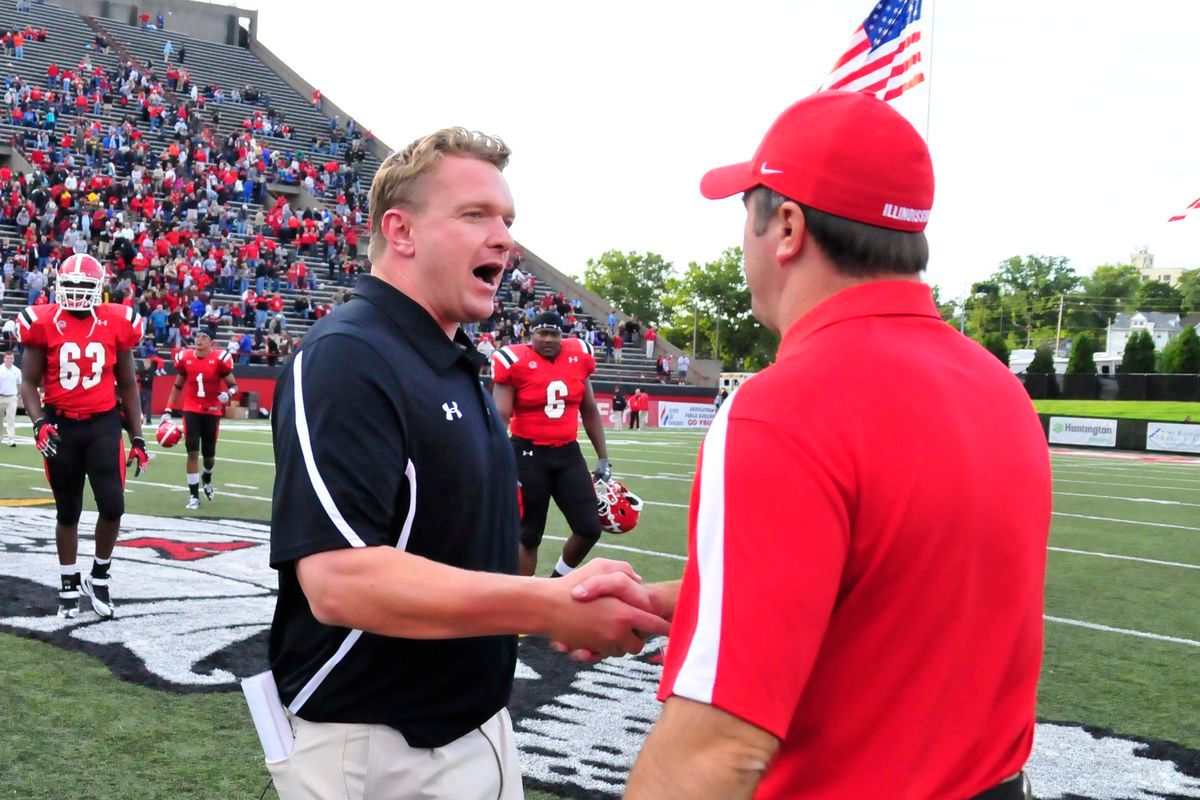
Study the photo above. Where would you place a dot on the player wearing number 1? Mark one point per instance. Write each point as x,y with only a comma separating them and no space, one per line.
205,378
79,351
543,388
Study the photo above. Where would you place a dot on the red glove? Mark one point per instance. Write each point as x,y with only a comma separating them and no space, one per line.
46,437
138,458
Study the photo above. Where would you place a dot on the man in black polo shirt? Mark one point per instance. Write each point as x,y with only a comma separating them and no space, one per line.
394,525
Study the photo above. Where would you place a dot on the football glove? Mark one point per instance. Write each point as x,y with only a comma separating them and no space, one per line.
223,398
46,438
138,458
603,470
166,417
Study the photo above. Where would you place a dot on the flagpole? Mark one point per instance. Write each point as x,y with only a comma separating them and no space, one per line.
929,80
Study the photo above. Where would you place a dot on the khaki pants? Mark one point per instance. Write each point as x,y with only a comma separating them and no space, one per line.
643,418
9,406
618,418
338,761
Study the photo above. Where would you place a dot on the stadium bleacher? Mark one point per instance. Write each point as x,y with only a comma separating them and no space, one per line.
303,144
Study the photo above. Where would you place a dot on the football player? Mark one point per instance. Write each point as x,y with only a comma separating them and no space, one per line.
541,389
205,378
76,350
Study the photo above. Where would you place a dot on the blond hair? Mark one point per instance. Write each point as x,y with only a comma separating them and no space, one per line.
398,178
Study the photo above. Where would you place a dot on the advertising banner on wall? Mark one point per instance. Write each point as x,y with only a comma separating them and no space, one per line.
685,415
1173,438
1083,431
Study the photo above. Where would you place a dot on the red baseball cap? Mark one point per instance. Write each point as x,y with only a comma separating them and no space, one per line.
844,153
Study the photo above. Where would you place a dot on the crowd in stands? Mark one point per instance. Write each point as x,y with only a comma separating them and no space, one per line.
164,200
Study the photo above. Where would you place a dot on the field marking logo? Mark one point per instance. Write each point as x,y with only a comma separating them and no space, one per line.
194,604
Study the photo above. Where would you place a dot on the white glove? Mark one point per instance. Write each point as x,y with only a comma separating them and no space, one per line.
166,417
223,398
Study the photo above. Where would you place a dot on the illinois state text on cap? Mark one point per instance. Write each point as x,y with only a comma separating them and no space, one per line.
844,153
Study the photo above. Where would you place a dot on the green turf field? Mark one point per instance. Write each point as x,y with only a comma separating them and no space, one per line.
1122,645
1121,409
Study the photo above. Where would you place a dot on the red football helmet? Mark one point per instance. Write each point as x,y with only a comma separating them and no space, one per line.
168,433
80,283
619,508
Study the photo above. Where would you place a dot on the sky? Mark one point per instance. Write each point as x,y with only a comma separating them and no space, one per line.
1057,127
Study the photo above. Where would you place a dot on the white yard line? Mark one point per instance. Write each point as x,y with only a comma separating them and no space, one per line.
1099,477
1123,558
1130,485
1128,521
1123,631
1129,499
625,548
143,482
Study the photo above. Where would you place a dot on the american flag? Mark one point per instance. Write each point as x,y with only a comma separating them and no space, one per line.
884,57
1195,204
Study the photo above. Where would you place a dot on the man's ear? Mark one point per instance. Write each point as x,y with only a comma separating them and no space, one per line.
398,231
792,231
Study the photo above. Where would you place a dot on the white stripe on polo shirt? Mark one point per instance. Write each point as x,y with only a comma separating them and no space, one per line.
310,463
331,509
698,672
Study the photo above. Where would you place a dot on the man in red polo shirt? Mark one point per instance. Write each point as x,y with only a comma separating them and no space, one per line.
861,610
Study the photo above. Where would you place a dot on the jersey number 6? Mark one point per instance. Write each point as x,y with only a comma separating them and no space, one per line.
556,406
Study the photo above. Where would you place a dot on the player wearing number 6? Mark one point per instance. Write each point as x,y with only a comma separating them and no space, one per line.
542,388
205,377
78,351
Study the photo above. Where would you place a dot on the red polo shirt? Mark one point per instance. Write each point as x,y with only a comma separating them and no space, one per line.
867,549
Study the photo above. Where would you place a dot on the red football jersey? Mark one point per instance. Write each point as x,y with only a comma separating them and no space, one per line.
202,379
548,393
81,353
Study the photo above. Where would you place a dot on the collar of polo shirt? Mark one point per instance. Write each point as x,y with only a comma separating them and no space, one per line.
420,328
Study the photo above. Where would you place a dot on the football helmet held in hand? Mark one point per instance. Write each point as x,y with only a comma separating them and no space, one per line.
168,433
618,507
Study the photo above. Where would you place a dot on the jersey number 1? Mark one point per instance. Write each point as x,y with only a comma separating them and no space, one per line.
199,384
69,372
556,406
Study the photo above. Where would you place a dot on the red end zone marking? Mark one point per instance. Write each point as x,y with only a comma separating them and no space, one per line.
1195,462
185,551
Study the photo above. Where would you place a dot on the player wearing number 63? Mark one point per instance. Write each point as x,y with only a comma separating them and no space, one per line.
541,389
205,378
79,351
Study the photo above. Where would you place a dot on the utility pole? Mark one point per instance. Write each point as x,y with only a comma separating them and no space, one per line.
695,328
1062,298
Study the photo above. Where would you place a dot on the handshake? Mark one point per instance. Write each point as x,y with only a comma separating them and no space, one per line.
603,609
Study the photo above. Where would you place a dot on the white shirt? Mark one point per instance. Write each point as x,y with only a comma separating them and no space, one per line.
10,379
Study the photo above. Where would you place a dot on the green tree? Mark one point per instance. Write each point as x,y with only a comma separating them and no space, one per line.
1043,361
633,282
1159,296
1189,289
994,343
1139,353
711,305
1081,362
1109,290
1031,289
1182,354
947,308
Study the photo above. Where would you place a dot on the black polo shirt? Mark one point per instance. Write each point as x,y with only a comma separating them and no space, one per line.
385,437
